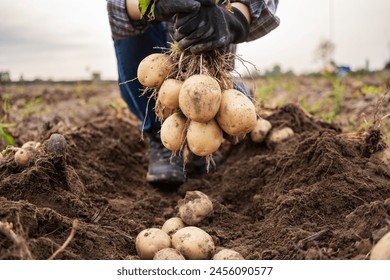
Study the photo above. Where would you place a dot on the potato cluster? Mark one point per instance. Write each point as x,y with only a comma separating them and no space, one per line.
180,239
195,112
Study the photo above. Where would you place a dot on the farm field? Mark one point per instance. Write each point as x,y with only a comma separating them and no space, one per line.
324,193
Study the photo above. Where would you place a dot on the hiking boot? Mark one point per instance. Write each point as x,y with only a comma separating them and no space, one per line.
163,170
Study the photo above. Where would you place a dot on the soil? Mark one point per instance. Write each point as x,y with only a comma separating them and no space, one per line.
322,194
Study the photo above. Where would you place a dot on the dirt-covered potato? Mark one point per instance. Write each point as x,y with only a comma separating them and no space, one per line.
200,98
172,225
31,144
194,207
279,135
261,130
227,254
23,156
56,144
193,243
168,254
150,241
381,250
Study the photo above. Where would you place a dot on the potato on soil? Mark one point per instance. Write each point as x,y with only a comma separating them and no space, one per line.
173,131
195,207
381,250
150,241
56,144
172,225
281,134
168,254
259,133
237,113
168,94
228,254
203,139
200,98
31,144
23,156
154,69
194,243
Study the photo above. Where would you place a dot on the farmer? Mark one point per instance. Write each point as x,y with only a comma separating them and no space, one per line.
197,25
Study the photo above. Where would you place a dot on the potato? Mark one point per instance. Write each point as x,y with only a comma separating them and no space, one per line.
31,144
23,156
279,135
381,250
261,130
56,144
200,97
154,69
172,225
150,241
173,131
203,139
228,254
237,113
195,207
168,94
168,254
193,243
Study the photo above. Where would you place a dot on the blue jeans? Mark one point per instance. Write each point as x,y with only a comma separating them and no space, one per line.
129,53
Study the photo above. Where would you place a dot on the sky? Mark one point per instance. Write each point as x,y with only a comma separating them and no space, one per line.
69,39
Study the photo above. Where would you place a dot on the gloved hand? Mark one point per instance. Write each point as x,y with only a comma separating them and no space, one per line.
212,27
165,9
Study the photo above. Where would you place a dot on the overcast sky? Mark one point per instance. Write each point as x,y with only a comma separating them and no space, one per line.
67,39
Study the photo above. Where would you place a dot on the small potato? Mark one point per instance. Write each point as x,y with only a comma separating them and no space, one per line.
56,144
168,254
381,250
31,144
193,243
279,135
228,254
261,130
173,132
150,241
23,157
154,69
172,225
195,207
168,94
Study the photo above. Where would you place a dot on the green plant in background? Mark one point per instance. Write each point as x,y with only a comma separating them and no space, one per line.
5,134
376,90
29,107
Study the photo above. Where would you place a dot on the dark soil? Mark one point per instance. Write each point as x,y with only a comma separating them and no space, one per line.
322,194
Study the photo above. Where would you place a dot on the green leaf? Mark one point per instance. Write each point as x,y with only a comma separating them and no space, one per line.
143,6
7,137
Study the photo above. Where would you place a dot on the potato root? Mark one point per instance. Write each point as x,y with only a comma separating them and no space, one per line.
195,207
200,98
150,241
193,243
173,132
260,131
154,69
203,139
237,113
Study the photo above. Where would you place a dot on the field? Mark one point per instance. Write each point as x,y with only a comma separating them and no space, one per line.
322,194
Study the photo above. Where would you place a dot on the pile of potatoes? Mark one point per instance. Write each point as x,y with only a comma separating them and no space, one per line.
180,239
199,111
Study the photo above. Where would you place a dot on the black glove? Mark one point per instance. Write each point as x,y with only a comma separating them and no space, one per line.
165,9
213,27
